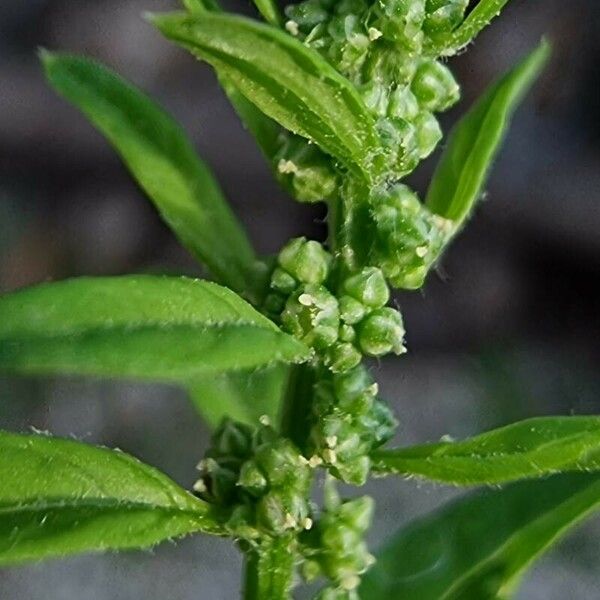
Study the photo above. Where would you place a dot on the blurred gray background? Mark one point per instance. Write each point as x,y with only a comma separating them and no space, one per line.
507,329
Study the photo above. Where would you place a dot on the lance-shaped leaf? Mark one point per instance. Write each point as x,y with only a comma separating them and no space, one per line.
531,448
478,547
161,328
474,142
290,83
59,497
242,396
264,130
479,18
163,161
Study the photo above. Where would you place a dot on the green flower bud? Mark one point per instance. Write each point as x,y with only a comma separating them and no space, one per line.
283,282
307,14
355,471
217,484
355,390
429,133
241,523
347,333
368,287
401,22
350,43
310,570
375,96
343,357
312,315
379,422
274,304
382,332
435,86
280,462
357,513
271,513
305,260
252,479
443,16
403,104
351,310
304,170
232,439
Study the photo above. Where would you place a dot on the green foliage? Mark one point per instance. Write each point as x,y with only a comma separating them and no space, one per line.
342,99
475,141
160,328
284,79
244,396
528,449
60,497
164,163
478,547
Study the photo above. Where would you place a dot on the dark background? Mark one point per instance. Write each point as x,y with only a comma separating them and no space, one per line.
507,329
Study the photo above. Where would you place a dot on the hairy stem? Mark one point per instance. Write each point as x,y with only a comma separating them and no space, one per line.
269,569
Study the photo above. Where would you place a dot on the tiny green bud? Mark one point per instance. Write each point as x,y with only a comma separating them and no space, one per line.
307,14
310,570
354,472
347,333
401,22
443,16
368,287
271,513
252,478
357,513
343,357
312,315
435,86
403,104
232,439
429,133
382,332
283,282
305,260
351,310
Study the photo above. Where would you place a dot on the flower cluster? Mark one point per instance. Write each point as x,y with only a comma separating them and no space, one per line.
381,48
405,238
349,421
337,550
259,478
340,325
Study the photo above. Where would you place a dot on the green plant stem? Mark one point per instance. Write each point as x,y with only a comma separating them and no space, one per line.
269,569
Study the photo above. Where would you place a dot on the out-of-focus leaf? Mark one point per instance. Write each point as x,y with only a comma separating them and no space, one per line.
162,159
161,328
478,547
242,396
287,81
532,448
60,497
474,142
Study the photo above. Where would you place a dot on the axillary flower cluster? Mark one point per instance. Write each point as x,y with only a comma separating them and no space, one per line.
336,298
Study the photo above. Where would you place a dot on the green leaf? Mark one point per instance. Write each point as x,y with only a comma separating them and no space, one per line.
474,142
60,497
478,547
265,131
287,81
479,18
532,448
163,161
269,11
244,396
160,328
